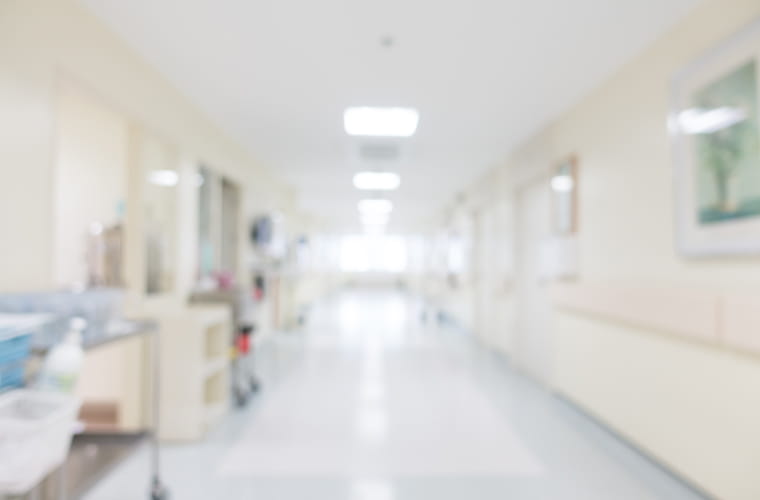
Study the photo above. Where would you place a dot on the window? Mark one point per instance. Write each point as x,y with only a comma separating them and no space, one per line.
373,253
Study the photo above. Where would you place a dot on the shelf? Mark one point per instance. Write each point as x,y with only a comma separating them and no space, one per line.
216,339
195,377
215,366
215,412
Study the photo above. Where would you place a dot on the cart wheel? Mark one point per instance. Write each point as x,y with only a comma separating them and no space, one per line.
158,492
241,398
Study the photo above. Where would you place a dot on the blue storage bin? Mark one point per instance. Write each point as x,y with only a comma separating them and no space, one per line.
15,348
14,351
12,375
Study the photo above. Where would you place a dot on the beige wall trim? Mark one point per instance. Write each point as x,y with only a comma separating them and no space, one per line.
687,313
671,397
740,322
730,320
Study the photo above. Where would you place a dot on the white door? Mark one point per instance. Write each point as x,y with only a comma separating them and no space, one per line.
503,308
532,337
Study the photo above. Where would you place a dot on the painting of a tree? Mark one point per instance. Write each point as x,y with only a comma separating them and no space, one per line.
728,147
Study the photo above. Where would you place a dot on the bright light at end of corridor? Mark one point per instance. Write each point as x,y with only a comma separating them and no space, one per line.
375,207
370,219
377,181
381,122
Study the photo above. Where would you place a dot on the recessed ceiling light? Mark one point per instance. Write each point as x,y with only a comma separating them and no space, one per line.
381,122
377,181
382,207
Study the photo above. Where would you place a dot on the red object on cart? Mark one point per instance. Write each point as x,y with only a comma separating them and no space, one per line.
244,343
243,340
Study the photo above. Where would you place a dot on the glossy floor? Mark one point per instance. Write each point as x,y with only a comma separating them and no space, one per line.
369,402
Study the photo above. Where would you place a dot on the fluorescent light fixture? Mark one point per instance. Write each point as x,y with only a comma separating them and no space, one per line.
562,183
166,178
377,181
375,207
381,122
695,121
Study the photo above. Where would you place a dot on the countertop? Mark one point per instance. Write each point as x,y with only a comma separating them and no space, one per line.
114,331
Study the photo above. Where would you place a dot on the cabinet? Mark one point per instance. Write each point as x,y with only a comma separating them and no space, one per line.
194,371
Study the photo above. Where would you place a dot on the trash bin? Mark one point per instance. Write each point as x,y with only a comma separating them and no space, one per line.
35,434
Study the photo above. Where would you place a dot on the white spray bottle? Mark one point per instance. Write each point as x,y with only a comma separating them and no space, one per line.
62,366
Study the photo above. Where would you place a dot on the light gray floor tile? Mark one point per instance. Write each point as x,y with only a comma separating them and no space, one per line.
370,403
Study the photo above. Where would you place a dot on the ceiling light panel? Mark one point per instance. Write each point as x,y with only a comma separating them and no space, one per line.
381,122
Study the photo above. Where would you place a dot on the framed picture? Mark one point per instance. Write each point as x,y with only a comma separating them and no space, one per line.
714,124
564,184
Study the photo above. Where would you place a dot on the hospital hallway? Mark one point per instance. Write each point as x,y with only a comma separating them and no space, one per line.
376,399
380,250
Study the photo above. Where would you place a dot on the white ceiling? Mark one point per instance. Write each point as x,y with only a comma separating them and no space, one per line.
277,75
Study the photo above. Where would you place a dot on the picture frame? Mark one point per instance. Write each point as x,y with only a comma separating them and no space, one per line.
714,124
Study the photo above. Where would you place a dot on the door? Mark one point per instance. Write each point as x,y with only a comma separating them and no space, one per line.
486,276
479,276
503,286
533,338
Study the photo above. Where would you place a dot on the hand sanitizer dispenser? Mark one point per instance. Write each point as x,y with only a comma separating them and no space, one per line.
62,366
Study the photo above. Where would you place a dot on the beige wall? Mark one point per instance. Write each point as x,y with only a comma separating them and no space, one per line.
89,179
626,190
42,43
692,405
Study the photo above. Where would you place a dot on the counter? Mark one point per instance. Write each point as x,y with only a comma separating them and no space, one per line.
116,330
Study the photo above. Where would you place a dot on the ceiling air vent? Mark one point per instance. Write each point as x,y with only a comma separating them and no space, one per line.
379,152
